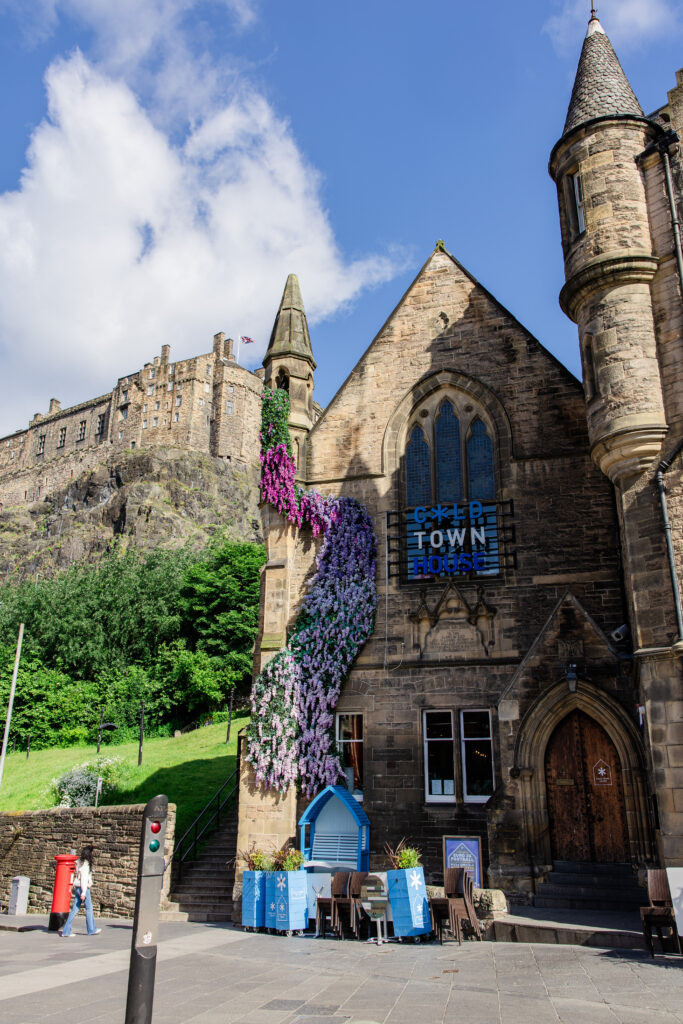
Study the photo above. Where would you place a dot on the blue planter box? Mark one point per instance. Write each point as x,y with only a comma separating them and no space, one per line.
409,904
286,901
254,899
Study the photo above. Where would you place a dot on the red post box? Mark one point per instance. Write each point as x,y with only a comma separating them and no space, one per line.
61,897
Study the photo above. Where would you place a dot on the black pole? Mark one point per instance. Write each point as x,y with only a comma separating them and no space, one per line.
28,746
142,732
232,694
143,952
99,731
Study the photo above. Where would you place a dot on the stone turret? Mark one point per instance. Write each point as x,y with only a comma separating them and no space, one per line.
289,364
609,261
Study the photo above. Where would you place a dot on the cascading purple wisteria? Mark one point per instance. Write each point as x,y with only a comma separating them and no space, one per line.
291,734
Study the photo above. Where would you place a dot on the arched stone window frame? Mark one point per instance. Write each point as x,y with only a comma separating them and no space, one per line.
420,407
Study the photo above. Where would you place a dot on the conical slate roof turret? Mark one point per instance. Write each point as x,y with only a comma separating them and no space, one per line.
601,88
290,335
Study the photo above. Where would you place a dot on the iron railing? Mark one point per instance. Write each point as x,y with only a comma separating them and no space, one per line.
186,848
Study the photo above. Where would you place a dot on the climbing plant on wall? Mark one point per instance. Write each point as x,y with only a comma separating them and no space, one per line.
291,734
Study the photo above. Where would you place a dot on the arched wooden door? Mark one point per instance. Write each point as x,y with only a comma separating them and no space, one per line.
585,793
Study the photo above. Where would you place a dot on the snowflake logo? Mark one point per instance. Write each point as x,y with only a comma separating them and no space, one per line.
602,771
440,513
281,882
272,907
415,880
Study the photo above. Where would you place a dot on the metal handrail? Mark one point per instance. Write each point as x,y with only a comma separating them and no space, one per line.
186,848
194,827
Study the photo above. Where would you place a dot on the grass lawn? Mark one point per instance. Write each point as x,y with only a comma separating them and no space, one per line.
189,769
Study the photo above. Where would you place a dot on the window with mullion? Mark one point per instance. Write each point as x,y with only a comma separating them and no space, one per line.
448,456
418,469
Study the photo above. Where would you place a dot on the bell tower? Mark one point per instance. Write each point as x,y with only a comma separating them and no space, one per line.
609,261
289,365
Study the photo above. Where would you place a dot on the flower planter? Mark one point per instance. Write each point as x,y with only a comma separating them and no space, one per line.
409,904
254,899
286,901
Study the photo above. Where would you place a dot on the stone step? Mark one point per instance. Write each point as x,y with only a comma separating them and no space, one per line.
581,867
515,929
215,878
578,903
191,892
627,896
577,878
173,915
217,912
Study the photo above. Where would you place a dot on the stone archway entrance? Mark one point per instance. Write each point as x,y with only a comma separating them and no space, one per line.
609,730
585,792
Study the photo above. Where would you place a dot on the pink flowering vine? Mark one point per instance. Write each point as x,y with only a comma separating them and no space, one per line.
291,734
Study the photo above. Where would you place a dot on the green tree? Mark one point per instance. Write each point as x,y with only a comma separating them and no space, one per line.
219,608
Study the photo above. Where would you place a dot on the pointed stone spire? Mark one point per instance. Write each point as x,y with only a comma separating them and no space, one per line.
601,88
290,335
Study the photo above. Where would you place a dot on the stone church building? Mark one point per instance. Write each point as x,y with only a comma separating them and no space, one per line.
523,681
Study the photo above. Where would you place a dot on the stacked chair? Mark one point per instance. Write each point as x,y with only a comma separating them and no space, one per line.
456,906
659,916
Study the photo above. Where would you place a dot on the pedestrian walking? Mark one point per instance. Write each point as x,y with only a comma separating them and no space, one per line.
82,887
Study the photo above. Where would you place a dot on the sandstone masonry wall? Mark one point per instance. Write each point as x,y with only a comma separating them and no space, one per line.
30,841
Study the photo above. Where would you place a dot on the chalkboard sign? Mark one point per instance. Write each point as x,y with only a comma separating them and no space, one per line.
464,852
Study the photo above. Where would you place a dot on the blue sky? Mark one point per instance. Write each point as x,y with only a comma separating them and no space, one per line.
166,163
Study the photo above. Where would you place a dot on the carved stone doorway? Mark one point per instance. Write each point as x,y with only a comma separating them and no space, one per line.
585,793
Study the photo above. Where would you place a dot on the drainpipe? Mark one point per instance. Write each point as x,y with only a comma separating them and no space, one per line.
675,223
662,145
663,467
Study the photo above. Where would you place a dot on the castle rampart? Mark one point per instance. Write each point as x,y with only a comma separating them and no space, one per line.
207,403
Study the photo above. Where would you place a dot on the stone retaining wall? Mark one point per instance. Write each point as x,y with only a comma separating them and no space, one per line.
29,842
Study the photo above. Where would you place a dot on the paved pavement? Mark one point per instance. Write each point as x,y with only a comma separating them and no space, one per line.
214,974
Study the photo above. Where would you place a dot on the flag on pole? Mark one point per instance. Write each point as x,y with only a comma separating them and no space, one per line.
245,340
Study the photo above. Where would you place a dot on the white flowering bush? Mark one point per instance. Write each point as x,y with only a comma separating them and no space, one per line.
77,787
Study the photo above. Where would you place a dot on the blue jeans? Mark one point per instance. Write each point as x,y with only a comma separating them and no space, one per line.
78,903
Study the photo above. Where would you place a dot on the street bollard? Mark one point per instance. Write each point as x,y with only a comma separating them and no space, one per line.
143,953
18,899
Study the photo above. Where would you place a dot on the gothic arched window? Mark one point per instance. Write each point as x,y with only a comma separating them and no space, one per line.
439,467
451,518
418,469
480,463
448,461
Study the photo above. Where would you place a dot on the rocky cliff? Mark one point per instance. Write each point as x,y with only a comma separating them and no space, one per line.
159,497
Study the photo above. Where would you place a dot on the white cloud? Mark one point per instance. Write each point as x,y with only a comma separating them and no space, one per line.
118,241
627,22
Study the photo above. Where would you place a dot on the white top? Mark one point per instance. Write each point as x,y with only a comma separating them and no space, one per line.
593,27
83,875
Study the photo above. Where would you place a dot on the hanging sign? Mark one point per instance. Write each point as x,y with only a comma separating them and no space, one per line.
452,539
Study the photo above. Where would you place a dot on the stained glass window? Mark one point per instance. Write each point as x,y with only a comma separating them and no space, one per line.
480,464
448,467
418,475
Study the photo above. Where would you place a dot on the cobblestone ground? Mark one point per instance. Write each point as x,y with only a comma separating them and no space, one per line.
218,975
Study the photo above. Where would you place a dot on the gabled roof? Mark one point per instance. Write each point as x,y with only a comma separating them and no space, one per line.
601,88
290,331
438,251
316,805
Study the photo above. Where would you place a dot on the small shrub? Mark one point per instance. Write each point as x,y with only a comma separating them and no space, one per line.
78,786
288,859
255,859
403,856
